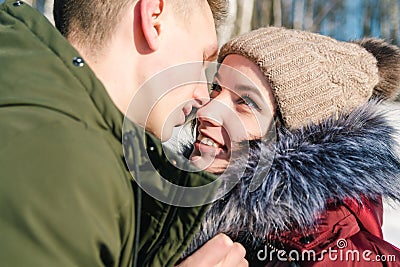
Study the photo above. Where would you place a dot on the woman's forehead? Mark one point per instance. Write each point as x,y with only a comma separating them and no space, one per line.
238,71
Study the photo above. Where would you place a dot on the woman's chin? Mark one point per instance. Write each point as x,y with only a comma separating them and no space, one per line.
209,163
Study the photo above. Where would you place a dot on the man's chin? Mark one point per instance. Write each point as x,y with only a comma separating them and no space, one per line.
165,135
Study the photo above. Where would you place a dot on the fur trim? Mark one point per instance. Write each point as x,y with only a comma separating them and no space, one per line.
388,57
391,113
348,156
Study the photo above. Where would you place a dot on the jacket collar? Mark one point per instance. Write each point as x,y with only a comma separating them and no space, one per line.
349,156
70,79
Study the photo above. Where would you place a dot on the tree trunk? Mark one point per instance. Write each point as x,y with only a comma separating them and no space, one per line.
323,13
309,16
368,18
263,14
226,30
385,18
39,4
48,10
287,13
298,16
244,15
277,6
394,20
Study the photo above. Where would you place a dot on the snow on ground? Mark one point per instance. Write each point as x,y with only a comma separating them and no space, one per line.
391,224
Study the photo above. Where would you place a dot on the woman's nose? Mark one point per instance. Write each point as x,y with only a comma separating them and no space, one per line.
213,113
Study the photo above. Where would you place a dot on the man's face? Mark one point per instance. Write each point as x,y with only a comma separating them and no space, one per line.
190,39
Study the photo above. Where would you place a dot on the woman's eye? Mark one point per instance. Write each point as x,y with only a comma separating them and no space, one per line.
247,100
215,89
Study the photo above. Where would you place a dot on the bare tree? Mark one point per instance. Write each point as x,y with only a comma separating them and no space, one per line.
381,17
39,4
394,6
309,15
368,17
298,16
324,11
385,19
48,10
244,15
287,13
277,7
262,14
227,30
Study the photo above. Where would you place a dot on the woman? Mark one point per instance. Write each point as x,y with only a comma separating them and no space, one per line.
335,156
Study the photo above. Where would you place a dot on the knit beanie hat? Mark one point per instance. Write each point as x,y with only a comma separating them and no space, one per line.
314,76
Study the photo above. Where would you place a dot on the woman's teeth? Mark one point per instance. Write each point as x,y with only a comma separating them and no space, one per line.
208,142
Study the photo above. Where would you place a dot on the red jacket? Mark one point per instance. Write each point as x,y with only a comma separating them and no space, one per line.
347,235
346,158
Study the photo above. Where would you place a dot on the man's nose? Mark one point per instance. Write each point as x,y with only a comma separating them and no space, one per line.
201,95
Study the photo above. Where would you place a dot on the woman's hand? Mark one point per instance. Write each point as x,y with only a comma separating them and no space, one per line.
220,251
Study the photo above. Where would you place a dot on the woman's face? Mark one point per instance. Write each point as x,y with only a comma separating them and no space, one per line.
241,108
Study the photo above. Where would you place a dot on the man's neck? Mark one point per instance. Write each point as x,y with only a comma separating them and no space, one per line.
114,67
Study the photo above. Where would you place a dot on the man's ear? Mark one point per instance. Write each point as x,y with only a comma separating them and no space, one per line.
150,11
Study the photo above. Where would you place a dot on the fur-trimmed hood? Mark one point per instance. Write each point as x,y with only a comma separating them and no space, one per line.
348,156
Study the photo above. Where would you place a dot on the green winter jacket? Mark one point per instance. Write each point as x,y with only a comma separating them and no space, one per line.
66,196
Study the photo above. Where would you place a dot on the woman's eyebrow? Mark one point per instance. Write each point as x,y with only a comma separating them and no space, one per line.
241,87
248,88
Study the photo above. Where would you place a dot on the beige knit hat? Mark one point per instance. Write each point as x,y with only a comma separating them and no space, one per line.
314,76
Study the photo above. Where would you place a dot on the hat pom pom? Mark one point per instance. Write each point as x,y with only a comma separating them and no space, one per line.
388,62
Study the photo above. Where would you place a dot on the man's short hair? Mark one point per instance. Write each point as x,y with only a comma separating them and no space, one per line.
91,22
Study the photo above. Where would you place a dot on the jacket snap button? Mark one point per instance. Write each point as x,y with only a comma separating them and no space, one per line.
78,61
306,240
18,3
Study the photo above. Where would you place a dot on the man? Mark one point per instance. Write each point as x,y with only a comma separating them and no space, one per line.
66,196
